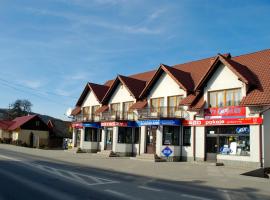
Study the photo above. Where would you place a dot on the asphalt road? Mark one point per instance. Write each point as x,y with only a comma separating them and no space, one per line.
28,177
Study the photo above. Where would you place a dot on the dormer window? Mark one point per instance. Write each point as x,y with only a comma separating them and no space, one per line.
222,98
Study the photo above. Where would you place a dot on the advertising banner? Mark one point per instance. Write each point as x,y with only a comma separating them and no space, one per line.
170,122
216,122
120,124
92,125
225,112
77,125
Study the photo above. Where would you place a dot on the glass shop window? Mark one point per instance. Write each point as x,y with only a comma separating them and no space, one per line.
187,136
92,134
125,135
171,135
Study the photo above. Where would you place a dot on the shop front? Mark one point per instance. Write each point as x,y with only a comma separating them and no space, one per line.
76,135
121,137
161,137
233,141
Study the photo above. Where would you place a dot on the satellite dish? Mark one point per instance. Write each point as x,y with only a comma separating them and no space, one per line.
68,112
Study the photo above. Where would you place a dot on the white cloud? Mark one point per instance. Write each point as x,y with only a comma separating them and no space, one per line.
34,84
78,20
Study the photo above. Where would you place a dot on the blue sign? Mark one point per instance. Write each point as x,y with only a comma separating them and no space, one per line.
92,125
171,122
167,151
242,130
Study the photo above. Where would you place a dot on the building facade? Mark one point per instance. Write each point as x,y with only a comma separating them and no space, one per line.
215,109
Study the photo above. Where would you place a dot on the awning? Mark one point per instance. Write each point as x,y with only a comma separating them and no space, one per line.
76,111
102,109
138,105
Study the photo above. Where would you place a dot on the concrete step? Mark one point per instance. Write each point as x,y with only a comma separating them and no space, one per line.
145,157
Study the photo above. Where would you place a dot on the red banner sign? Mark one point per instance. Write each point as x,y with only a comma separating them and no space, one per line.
121,124
217,122
77,125
226,112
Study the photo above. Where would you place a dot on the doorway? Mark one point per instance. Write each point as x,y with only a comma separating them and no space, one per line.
31,139
78,138
108,139
151,140
211,148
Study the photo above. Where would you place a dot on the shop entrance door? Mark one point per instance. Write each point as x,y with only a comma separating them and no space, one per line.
151,141
78,138
211,148
108,139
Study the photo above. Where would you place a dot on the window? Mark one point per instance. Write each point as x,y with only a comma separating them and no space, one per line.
94,109
156,104
115,109
125,135
86,110
224,98
230,140
173,104
126,111
137,135
92,134
186,136
37,123
171,135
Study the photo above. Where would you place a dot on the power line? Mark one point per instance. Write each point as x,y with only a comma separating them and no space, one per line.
42,97
40,91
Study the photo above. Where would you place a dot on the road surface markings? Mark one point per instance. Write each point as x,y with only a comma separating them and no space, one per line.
54,194
78,177
9,158
120,194
226,194
194,197
150,188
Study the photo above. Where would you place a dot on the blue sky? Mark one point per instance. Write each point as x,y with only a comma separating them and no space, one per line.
51,48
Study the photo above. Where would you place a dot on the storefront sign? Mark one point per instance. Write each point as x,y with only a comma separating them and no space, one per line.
242,130
226,112
77,125
120,124
170,122
92,125
167,151
213,122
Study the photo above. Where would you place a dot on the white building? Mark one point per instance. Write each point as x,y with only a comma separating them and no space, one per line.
215,109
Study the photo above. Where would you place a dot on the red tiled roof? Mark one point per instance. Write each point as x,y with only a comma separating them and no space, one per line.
259,64
76,111
139,105
102,109
188,100
19,121
98,90
5,124
135,86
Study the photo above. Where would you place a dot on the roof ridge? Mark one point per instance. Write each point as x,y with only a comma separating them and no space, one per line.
250,53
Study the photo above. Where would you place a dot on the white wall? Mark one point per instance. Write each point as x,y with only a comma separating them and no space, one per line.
90,100
164,87
266,138
120,95
200,142
143,140
222,79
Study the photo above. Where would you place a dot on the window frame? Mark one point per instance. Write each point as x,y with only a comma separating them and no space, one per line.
224,91
175,140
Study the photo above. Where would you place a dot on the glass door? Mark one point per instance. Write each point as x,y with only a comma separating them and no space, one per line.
109,139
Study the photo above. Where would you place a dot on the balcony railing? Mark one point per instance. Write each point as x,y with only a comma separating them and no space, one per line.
87,118
117,115
162,112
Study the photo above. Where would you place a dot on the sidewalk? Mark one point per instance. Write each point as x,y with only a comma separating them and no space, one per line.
206,174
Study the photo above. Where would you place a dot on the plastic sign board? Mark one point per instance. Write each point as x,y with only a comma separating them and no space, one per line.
225,112
119,124
77,125
92,125
216,122
171,122
167,151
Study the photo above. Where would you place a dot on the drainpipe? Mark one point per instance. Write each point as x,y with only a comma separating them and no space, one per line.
194,140
260,138
132,142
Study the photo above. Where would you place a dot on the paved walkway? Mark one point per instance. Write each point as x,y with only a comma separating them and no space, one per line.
203,173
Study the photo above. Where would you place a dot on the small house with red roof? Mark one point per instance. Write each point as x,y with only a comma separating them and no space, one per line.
28,130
